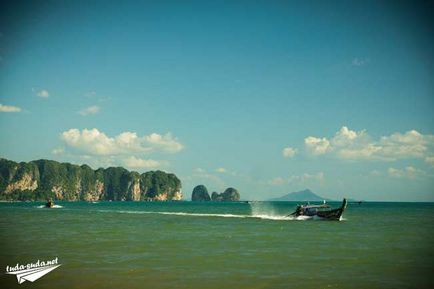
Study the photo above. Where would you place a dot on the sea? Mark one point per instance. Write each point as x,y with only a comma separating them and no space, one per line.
218,245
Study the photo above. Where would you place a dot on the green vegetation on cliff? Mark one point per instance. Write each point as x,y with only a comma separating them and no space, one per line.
230,194
200,193
42,179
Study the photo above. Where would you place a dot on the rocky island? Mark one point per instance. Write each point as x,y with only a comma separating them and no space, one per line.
43,179
200,193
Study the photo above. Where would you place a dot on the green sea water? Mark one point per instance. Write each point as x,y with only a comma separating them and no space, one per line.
218,245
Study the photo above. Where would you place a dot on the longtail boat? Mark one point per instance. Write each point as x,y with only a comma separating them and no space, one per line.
323,211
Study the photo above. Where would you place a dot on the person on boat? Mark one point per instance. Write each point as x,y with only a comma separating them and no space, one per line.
49,203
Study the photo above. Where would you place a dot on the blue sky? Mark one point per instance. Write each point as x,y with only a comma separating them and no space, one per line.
265,96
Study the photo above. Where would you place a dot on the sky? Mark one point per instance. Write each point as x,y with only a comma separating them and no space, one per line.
269,97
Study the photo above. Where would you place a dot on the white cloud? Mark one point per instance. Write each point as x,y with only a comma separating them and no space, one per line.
43,93
200,175
94,142
125,149
351,145
98,161
411,144
407,172
430,160
226,171
278,181
317,146
306,177
94,109
91,141
9,108
165,142
346,136
90,94
298,179
359,61
289,152
58,151
138,163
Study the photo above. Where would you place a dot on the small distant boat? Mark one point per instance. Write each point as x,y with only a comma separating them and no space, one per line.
49,204
323,211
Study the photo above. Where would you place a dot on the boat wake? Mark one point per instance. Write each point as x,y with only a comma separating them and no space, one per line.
53,207
261,216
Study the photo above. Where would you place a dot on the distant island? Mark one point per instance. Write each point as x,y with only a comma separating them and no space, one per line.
305,195
43,179
200,194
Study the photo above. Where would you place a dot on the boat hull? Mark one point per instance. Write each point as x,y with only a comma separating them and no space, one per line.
332,214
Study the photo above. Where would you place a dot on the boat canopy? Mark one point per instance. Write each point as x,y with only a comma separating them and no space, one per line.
315,206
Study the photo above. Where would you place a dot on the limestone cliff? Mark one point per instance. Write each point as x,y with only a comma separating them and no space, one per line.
200,193
41,179
25,183
230,194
